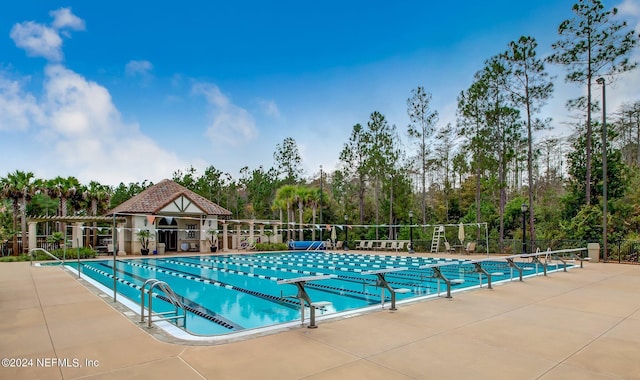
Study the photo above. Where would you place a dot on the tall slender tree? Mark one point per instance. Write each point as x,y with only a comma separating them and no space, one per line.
472,112
288,161
503,128
354,157
592,43
530,87
423,122
382,156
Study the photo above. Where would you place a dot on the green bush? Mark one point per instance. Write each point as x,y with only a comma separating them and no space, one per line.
11,259
72,253
271,247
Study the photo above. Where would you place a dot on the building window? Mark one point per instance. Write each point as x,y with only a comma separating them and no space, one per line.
191,231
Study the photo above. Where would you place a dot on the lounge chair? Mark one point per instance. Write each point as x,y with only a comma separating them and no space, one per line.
383,245
401,246
361,244
448,248
339,244
393,246
471,247
369,246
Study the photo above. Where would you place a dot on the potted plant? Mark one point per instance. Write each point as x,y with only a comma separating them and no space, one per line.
213,240
143,238
269,234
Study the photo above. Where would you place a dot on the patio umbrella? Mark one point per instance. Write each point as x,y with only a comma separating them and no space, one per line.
461,233
334,235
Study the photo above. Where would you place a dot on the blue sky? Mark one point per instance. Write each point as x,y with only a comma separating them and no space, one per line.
124,91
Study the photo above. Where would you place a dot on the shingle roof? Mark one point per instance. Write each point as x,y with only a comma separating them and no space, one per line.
156,197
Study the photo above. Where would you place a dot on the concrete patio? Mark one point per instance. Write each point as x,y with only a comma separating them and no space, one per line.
583,324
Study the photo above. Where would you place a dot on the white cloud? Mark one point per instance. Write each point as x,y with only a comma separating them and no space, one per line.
269,107
78,130
89,136
18,109
230,124
43,41
142,68
629,8
38,40
63,18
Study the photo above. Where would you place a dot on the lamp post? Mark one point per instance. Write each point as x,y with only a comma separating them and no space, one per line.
411,250
604,168
321,205
524,208
346,233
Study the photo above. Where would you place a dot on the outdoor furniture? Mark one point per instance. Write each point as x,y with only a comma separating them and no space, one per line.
448,248
471,247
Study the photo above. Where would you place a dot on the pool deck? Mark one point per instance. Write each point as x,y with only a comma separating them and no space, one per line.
583,324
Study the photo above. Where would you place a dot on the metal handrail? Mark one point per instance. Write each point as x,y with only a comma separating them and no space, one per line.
173,298
31,251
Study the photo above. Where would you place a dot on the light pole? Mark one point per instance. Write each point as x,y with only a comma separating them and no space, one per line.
346,233
604,168
411,250
524,208
321,205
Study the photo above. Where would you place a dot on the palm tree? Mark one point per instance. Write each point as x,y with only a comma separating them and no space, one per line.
285,196
63,189
19,187
314,201
300,197
98,197
278,205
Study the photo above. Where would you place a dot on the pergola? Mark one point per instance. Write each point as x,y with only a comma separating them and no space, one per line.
78,223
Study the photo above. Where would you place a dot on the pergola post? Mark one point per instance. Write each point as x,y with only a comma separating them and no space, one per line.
225,240
120,231
33,237
76,235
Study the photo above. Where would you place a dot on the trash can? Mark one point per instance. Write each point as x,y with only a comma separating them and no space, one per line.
160,248
593,250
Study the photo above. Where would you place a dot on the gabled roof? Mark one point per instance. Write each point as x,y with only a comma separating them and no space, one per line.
156,197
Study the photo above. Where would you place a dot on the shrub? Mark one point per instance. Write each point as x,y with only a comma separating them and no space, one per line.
72,253
271,247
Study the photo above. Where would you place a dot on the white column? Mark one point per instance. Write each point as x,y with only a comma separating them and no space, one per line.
225,240
120,229
76,235
33,237
236,241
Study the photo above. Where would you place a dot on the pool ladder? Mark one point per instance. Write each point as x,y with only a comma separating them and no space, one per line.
170,296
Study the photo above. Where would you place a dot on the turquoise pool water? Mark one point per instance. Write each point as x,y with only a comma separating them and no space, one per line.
231,293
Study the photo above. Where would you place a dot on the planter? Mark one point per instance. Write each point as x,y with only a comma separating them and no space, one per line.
213,249
144,252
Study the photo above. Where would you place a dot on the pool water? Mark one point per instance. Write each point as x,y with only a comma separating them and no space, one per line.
230,293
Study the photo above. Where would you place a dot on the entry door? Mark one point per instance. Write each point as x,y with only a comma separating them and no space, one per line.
168,233
169,238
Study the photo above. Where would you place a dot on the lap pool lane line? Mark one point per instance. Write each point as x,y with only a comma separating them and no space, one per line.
190,306
305,261
190,276
365,296
310,264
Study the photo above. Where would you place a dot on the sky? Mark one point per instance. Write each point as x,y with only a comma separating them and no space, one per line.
123,91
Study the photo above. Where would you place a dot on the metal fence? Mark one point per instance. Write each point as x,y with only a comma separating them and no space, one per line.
624,251
621,251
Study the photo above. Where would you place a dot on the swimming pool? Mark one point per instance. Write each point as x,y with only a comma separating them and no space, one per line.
225,294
